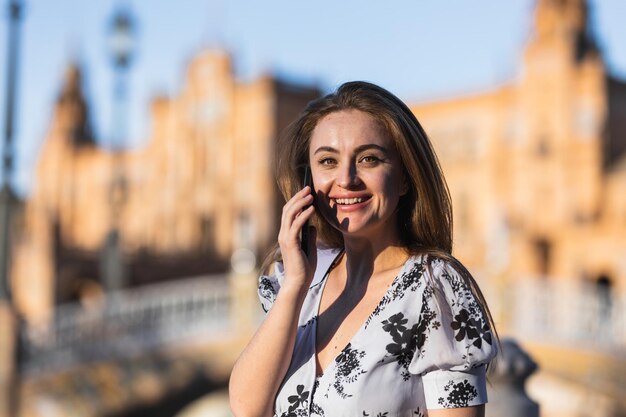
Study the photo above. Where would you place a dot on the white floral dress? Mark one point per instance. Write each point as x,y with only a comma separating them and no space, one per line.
425,346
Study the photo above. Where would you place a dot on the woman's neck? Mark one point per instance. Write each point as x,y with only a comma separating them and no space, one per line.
364,257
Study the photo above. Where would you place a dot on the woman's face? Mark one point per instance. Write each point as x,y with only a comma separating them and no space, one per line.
357,175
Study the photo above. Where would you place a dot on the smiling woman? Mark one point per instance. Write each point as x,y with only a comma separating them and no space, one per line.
357,174
380,318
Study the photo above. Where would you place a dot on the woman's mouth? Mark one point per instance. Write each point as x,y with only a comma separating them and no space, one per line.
351,204
345,201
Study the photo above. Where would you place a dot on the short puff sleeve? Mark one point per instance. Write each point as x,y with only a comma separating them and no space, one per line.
454,342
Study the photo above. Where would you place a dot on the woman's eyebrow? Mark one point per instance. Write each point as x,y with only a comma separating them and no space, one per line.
370,146
358,149
325,149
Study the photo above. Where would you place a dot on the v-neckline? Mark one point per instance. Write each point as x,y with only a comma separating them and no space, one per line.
330,364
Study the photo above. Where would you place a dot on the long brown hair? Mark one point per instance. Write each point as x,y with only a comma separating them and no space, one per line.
424,212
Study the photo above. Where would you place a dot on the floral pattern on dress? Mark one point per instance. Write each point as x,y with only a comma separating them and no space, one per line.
347,369
427,322
459,394
299,403
406,341
310,322
468,327
267,292
469,322
408,282
316,409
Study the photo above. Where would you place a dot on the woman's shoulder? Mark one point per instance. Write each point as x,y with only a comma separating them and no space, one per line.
437,273
440,266
433,263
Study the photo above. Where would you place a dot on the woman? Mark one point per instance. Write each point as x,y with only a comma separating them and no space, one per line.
379,319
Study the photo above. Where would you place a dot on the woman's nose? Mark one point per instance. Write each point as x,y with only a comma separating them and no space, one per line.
348,176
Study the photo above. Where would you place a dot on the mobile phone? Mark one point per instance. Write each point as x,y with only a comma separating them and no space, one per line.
304,232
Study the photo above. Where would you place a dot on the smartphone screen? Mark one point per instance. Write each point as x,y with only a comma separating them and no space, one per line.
304,233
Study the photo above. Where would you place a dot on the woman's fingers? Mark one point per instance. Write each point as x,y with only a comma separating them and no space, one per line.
313,247
301,218
291,234
297,202
295,213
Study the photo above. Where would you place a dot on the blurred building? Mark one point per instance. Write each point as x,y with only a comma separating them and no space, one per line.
202,187
537,168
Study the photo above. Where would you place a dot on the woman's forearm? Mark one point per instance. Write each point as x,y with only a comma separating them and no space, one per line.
261,367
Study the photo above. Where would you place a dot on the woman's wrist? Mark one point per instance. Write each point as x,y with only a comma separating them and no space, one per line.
295,293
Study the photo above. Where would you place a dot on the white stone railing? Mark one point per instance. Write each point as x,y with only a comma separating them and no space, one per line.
560,311
128,323
135,321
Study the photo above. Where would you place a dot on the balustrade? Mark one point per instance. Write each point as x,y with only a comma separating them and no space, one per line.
129,322
562,312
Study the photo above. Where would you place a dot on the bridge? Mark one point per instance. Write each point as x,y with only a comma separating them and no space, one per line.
156,349
150,350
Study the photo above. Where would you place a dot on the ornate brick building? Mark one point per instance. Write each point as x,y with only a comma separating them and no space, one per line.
202,186
537,168
537,171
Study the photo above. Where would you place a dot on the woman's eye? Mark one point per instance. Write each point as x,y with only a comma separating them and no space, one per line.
326,161
370,159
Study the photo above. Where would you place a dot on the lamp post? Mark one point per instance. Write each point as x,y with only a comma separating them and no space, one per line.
6,193
122,47
9,330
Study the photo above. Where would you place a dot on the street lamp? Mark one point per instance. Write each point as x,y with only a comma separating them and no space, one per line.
9,325
6,192
122,39
121,42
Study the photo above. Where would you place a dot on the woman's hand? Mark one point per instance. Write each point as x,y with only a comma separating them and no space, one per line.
299,269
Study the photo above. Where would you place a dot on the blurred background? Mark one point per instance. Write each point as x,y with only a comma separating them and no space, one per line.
138,200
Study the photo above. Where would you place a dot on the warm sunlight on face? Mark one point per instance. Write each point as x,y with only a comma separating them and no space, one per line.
357,175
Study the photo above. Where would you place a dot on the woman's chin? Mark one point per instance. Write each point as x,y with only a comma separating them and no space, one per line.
354,230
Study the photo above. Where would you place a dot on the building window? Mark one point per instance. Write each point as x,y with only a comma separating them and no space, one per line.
603,290
543,255
207,227
543,146
604,297
245,231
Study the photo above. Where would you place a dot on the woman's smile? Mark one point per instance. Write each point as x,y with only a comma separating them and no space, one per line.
350,204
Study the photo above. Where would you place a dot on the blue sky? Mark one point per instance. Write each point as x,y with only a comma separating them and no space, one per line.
419,49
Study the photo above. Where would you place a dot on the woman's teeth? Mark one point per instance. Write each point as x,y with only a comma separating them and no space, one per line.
349,200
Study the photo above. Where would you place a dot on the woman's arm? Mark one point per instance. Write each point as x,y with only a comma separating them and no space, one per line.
476,411
260,369
263,364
